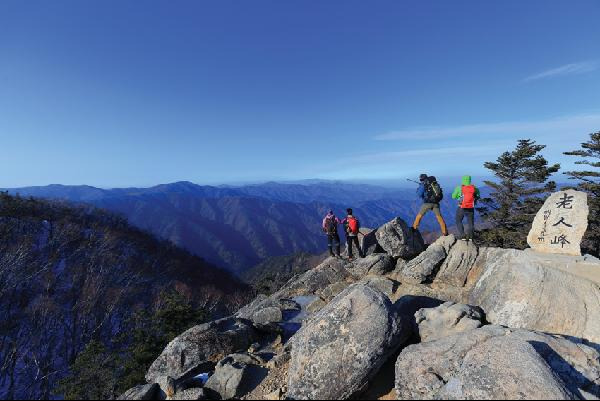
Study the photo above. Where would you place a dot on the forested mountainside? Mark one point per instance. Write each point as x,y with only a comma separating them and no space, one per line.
272,274
239,227
70,275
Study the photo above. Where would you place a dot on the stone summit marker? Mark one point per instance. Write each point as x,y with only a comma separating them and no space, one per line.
560,224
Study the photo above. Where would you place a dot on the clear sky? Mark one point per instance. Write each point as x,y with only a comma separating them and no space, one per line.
119,93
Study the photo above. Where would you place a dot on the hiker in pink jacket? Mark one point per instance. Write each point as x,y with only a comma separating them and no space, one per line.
330,227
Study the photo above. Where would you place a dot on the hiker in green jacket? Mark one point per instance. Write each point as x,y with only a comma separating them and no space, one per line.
467,195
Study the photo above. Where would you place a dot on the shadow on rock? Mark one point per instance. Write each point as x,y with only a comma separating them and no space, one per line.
573,379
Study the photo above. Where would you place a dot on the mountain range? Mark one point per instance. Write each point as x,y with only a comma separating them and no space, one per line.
238,227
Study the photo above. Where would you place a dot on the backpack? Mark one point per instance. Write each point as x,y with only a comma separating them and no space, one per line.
433,191
468,197
353,225
331,225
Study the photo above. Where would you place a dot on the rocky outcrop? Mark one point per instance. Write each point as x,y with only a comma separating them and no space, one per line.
399,240
377,264
190,394
457,266
446,320
331,271
142,392
266,310
235,376
340,322
198,349
498,363
383,284
515,288
369,243
526,290
339,349
425,266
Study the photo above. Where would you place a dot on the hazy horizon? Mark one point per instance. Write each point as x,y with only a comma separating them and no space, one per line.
399,183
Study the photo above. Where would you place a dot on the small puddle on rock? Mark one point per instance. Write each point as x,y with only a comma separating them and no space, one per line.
202,378
292,319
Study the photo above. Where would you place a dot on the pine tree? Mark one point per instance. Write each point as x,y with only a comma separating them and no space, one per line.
150,334
589,181
522,181
102,373
92,375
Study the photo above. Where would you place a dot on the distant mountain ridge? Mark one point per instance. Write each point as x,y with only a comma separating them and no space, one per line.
239,227
333,191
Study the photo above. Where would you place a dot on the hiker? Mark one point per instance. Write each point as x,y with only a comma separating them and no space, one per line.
330,227
431,192
352,227
467,195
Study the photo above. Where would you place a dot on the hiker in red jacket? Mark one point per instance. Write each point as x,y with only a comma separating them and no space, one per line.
352,229
330,227
467,195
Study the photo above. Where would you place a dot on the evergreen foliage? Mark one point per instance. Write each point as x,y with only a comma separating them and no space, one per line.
589,181
99,372
151,333
92,375
522,183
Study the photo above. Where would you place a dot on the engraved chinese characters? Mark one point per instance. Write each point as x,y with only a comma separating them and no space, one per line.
561,223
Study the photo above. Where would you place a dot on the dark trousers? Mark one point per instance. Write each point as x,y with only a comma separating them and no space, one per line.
333,240
353,239
460,215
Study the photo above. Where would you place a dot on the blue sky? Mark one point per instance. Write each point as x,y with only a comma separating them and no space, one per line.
119,93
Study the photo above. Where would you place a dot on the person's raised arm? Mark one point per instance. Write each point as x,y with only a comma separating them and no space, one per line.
457,193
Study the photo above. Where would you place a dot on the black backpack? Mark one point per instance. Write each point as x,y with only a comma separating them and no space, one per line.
433,191
331,225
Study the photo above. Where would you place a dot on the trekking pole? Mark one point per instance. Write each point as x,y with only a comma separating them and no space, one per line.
408,179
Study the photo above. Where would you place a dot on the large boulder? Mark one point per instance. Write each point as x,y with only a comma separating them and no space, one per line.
369,243
265,310
190,394
341,347
377,264
455,269
498,363
424,267
331,271
235,376
399,240
142,392
198,349
383,284
447,319
332,290
527,290
515,288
